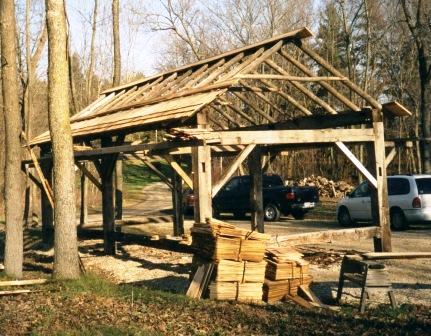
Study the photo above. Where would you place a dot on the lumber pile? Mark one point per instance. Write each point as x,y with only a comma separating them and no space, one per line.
326,187
285,272
217,240
237,256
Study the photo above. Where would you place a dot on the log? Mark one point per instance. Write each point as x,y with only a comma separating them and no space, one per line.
325,236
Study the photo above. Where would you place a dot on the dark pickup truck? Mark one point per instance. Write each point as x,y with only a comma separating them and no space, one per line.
278,199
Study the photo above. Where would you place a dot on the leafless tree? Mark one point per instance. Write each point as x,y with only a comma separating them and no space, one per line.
66,246
13,122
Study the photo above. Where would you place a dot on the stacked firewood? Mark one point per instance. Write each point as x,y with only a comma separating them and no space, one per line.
236,256
286,271
326,187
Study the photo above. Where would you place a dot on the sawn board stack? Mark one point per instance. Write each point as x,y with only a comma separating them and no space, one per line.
237,255
285,272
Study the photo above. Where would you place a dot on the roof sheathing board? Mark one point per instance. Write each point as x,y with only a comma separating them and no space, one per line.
170,110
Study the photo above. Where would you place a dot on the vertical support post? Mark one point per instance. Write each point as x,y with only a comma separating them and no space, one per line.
119,188
84,200
106,170
177,203
256,198
202,178
201,165
379,196
46,208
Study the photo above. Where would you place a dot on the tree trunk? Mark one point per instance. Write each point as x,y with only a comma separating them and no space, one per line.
13,127
92,47
116,35
426,125
65,238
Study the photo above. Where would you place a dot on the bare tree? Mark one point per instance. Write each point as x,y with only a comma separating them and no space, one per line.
418,18
13,122
116,36
65,244
92,52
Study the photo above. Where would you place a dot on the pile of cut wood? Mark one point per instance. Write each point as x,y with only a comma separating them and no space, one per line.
232,266
326,187
286,272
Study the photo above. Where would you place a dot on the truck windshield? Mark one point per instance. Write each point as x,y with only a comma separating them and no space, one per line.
424,185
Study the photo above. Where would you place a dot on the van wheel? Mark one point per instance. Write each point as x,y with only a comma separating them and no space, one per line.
344,218
398,220
271,213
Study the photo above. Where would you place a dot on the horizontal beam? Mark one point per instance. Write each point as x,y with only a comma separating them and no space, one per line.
295,136
325,236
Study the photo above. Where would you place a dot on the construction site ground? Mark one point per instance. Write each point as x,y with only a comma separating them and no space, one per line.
168,270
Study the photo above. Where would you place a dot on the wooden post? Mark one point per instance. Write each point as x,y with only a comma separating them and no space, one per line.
46,208
106,170
256,198
119,189
379,195
177,203
202,186
84,200
202,178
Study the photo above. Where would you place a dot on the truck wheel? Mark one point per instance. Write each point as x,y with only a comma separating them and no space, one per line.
271,213
344,217
298,214
398,220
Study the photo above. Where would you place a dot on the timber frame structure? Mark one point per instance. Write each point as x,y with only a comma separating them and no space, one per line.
263,98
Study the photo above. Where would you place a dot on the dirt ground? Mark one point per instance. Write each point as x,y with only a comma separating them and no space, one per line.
166,270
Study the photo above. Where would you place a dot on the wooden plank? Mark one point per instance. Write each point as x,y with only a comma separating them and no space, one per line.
390,156
302,88
291,78
287,97
23,282
299,301
395,255
295,136
337,73
179,170
381,207
46,187
289,36
325,236
227,174
267,54
153,168
396,109
81,166
358,164
254,106
325,85
217,72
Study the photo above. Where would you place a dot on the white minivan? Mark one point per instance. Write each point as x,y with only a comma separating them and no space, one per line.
409,202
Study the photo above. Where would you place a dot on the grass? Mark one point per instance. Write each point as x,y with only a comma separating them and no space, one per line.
94,306
137,176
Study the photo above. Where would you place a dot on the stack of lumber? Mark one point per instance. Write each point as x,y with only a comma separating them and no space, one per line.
237,255
285,272
217,240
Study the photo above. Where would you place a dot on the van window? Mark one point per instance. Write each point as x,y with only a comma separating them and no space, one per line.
398,186
424,185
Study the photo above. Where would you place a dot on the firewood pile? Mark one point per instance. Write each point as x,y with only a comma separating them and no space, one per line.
237,261
286,272
326,187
